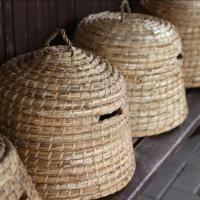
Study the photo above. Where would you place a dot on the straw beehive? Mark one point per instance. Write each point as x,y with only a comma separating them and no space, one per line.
15,184
186,16
147,50
66,111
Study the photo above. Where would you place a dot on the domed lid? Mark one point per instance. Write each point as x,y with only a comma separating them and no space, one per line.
177,3
137,34
182,11
56,79
136,28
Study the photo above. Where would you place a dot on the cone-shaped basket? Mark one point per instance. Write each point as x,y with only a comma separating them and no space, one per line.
147,50
15,184
185,14
67,113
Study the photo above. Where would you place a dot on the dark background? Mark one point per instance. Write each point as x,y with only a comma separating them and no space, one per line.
24,24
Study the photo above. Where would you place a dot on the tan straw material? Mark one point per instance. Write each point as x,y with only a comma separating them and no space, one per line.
185,14
15,184
147,51
67,113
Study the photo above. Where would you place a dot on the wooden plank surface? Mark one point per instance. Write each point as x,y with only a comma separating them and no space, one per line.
152,152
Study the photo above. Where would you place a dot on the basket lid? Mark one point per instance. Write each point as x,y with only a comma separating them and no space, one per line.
135,27
179,4
62,78
177,11
138,35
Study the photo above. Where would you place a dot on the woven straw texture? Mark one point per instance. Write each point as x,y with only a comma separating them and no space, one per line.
145,50
15,184
67,113
185,14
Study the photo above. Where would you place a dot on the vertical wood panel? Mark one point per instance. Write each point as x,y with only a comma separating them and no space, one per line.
103,6
8,29
42,21
71,17
20,27
62,14
24,24
116,6
2,44
86,8
31,23
52,21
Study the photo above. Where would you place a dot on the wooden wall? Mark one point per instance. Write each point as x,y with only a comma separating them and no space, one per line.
24,24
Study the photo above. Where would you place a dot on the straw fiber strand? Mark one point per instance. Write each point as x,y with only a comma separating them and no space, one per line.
15,184
66,111
147,50
186,17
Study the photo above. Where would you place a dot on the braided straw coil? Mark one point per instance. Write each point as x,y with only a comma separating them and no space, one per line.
186,16
145,50
67,113
15,184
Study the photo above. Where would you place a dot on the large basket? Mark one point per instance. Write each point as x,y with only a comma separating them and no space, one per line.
147,50
15,184
185,14
67,113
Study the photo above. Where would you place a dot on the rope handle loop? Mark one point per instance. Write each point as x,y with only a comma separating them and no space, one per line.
125,6
53,36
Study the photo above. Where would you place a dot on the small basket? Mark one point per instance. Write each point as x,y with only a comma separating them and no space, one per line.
186,17
67,113
147,51
15,184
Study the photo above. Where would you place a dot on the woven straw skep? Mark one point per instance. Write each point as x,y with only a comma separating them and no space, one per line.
186,16
15,184
67,112
147,51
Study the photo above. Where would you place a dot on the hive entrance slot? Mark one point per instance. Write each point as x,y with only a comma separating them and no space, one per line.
180,56
110,115
24,196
